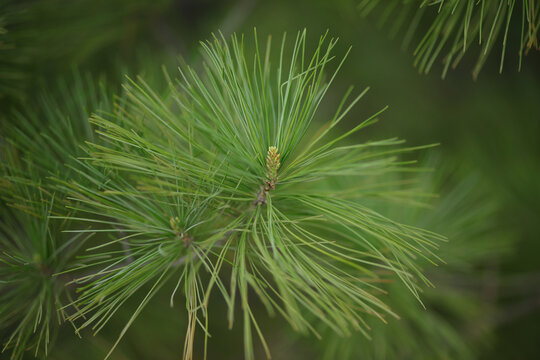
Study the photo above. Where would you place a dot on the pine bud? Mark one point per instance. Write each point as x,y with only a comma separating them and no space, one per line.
272,164
175,222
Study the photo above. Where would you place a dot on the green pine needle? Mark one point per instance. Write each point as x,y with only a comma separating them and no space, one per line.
456,26
33,251
221,172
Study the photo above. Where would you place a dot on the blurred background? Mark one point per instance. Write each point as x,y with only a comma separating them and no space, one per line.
488,129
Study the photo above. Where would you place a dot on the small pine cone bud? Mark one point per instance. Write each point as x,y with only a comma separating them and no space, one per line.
174,224
272,163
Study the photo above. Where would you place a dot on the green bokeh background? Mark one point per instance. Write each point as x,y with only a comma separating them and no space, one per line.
491,125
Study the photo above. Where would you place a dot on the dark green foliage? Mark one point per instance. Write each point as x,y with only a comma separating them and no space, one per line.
32,43
34,248
456,26
33,251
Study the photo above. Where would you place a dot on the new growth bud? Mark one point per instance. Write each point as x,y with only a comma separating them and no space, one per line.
272,165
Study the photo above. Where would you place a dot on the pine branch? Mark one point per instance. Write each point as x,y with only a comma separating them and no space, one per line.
456,26
40,143
215,174
455,319
33,251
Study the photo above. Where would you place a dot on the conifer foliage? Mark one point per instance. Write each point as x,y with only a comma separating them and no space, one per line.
223,186
454,27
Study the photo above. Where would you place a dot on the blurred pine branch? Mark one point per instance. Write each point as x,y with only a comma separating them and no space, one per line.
455,27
